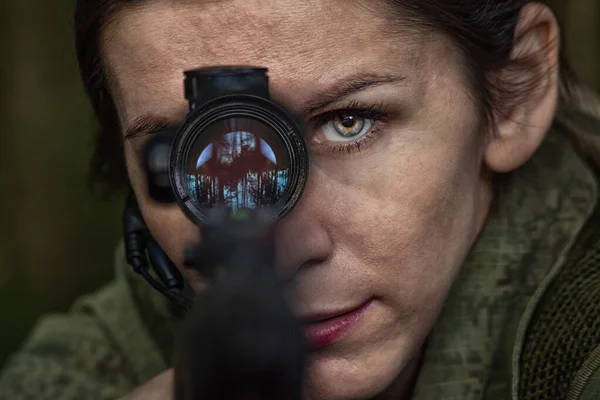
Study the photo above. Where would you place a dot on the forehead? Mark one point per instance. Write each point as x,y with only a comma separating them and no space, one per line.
305,44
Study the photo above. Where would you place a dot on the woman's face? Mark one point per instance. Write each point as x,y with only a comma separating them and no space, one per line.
390,209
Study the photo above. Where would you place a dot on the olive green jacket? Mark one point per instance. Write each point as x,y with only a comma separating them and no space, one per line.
522,320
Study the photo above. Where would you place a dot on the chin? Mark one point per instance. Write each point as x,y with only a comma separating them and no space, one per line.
352,377
340,389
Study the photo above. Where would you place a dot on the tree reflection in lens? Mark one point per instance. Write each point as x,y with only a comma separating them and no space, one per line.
239,163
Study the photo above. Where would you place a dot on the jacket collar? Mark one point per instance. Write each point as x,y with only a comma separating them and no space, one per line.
474,349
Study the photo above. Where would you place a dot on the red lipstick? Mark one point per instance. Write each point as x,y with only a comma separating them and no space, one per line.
324,329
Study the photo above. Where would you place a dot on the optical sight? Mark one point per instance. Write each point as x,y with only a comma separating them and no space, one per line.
237,149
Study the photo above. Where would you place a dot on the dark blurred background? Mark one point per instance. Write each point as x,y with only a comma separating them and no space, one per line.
56,238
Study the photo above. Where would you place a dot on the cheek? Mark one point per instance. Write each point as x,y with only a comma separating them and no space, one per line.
407,214
168,224
171,228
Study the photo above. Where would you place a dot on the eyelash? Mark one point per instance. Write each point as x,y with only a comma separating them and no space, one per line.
373,112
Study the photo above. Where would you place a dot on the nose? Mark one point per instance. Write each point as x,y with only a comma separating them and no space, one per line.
302,239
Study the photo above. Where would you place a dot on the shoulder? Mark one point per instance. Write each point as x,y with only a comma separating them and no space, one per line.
100,349
68,356
561,354
560,357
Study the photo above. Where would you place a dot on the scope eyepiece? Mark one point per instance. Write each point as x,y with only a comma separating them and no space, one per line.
236,149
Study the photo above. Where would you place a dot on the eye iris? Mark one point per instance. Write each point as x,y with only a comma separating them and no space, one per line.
349,125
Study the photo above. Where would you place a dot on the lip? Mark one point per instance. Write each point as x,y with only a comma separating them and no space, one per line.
324,329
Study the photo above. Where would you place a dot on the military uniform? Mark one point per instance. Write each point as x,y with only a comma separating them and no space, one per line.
522,320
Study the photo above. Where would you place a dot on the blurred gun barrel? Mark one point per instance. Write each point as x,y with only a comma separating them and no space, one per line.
240,339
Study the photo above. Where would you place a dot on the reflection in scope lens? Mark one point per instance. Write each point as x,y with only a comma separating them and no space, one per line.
239,163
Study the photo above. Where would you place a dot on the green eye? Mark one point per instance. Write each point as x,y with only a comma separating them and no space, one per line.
348,127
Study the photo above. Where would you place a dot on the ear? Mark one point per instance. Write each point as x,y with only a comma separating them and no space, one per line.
534,64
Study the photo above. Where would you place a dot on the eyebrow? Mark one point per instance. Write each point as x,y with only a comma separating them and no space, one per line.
151,123
146,124
346,87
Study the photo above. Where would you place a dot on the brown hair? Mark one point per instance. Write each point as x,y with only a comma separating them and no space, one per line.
483,31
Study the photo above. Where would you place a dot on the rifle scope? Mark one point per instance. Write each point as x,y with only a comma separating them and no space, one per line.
236,149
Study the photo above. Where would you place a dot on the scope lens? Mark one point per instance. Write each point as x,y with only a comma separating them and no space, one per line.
239,163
